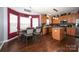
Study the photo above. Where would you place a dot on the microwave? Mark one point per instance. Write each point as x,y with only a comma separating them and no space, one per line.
63,23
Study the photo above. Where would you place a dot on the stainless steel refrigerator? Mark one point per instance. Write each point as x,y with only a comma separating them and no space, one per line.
77,27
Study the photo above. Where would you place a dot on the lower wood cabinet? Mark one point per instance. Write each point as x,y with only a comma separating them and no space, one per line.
44,31
71,31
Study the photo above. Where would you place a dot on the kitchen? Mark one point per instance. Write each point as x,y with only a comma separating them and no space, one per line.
58,29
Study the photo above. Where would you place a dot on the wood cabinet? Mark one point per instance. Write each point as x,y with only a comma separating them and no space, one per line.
44,31
47,30
58,33
56,21
50,29
71,18
71,31
43,19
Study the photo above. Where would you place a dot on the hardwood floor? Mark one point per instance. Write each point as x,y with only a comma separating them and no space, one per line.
42,44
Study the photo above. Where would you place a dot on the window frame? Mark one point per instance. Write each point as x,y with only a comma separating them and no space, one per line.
26,21
16,23
13,34
32,21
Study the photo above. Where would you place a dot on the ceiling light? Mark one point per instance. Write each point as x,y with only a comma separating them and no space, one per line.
55,10
30,17
56,18
28,9
47,15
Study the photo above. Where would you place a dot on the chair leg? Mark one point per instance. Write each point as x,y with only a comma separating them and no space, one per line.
33,37
27,43
36,38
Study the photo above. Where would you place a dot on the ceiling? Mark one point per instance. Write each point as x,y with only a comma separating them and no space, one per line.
46,10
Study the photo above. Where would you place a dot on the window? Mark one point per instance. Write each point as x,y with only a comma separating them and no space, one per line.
35,22
13,23
24,22
28,22
47,22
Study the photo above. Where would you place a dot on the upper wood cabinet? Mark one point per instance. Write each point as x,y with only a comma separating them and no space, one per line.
63,18
56,21
43,18
71,18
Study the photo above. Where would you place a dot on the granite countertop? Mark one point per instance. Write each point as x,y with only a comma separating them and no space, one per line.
47,26
57,27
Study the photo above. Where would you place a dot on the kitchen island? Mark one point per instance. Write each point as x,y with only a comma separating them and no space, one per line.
58,33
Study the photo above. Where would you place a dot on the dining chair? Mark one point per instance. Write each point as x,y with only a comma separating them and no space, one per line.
37,33
29,34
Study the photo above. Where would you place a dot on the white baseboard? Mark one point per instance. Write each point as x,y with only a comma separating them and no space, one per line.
7,41
11,39
2,43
